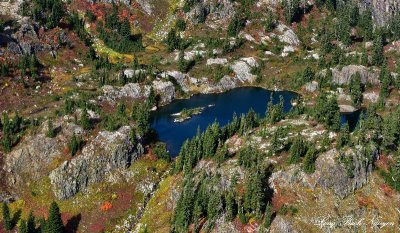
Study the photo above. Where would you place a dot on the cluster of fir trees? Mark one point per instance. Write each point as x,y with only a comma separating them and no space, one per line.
116,33
29,64
206,144
201,198
53,224
47,12
12,129
327,111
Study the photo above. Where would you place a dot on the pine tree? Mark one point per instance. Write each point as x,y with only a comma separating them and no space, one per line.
85,121
364,57
51,133
22,226
7,217
74,145
54,223
231,208
355,87
377,49
31,223
152,97
385,80
268,215
309,160
344,137
125,29
297,150
396,170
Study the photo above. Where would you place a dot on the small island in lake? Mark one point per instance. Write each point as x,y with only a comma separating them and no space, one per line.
186,114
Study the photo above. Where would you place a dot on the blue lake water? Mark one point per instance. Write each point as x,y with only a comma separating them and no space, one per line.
222,107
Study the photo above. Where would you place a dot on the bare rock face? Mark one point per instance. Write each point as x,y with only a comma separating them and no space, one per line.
9,7
217,10
343,75
242,69
32,158
166,90
108,152
341,178
330,173
382,11
130,90
282,225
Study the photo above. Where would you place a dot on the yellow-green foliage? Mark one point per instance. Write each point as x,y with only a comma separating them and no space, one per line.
160,205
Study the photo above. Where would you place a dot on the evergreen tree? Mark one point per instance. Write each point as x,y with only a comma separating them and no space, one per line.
125,29
142,117
54,223
270,22
7,217
365,23
236,25
231,207
385,79
364,57
22,226
291,10
31,223
268,215
152,97
75,144
395,170
51,133
173,41
355,88
309,159
327,111
214,206
344,137
377,50
297,150
85,121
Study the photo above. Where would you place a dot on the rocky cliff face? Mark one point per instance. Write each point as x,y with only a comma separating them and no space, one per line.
341,178
382,10
108,152
33,157
330,173
343,75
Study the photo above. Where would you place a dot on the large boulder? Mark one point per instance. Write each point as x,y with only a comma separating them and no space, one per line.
343,75
166,90
242,69
108,152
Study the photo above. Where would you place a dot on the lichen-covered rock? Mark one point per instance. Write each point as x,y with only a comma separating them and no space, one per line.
282,224
106,153
287,35
311,86
242,69
343,75
130,90
382,11
217,61
166,90
33,157
216,10
344,179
